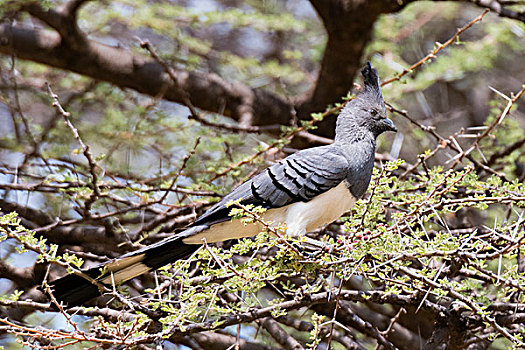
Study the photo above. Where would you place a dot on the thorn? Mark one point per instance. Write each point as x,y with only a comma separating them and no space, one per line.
500,93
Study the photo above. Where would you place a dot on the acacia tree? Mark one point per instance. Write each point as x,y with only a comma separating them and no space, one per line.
96,164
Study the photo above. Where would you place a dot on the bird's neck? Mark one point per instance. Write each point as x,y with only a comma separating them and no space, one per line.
359,152
348,134
362,147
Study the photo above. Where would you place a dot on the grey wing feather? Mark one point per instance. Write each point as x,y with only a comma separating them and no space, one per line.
299,177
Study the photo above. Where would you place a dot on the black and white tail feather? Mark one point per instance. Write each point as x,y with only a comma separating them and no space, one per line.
305,190
74,290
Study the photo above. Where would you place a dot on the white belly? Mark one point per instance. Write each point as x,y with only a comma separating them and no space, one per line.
300,217
304,217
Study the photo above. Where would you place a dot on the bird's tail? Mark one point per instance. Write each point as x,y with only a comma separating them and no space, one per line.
74,290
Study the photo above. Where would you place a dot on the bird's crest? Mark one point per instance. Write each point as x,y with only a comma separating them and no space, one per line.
371,80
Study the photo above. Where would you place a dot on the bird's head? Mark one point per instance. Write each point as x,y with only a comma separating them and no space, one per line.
367,111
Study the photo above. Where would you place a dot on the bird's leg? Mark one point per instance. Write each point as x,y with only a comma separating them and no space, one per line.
310,247
314,244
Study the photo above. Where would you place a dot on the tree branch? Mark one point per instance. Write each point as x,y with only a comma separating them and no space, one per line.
280,335
219,341
349,26
499,8
122,68
64,21
23,277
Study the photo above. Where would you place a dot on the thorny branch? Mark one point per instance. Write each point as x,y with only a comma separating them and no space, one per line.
85,149
434,52
423,259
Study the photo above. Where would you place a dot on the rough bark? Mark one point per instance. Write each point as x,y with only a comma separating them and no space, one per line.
219,341
349,25
126,70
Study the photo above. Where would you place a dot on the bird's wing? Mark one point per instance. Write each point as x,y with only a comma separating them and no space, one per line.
297,178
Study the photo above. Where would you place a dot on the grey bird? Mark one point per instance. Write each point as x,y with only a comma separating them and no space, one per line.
304,191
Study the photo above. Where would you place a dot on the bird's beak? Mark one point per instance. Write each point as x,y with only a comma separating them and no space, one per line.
389,125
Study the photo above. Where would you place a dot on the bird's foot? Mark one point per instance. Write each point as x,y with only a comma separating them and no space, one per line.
312,249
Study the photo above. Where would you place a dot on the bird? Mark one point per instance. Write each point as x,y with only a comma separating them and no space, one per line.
304,191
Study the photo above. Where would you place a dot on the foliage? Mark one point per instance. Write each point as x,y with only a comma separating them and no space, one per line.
432,254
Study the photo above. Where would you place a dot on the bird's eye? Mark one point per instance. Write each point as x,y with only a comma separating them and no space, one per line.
374,112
